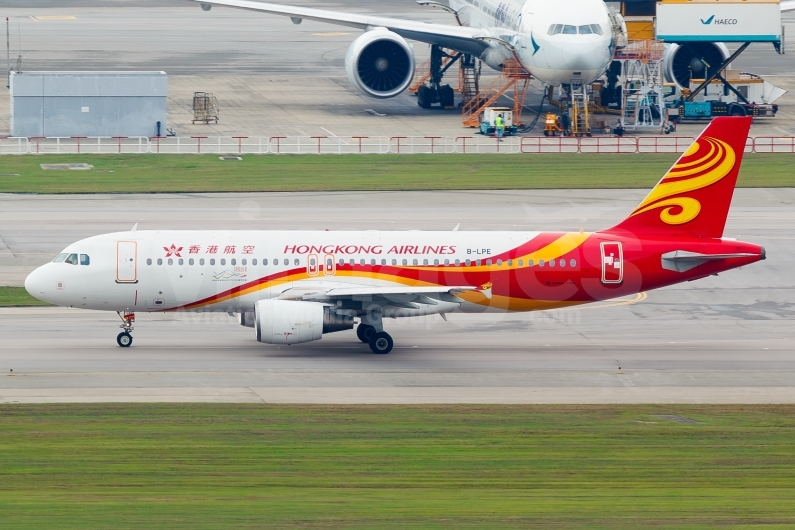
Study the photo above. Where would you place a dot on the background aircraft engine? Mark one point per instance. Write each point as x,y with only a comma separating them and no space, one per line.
291,322
684,62
380,63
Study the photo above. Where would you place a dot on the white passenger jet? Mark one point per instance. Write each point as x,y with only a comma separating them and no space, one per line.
295,286
556,42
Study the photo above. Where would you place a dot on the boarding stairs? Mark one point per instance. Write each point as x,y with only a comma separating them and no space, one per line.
513,76
580,116
642,74
469,78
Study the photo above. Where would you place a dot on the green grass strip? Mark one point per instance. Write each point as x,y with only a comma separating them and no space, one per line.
263,466
206,173
17,297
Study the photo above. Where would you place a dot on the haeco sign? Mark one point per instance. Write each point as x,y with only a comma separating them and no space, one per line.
759,21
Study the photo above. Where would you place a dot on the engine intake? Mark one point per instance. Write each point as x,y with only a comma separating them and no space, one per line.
684,62
293,322
380,63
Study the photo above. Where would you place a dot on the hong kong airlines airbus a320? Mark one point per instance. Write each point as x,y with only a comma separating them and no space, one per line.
296,286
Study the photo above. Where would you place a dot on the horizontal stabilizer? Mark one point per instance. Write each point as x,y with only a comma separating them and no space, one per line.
683,261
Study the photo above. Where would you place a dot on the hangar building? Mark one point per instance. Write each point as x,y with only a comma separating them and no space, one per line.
67,104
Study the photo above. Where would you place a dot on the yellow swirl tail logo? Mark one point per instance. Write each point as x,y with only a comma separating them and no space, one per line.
706,162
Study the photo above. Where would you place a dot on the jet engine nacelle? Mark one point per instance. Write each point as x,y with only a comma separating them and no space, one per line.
380,63
684,62
292,322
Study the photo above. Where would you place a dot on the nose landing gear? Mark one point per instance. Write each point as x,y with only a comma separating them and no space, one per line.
125,339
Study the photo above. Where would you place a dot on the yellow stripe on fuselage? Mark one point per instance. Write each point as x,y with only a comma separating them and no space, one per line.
561,246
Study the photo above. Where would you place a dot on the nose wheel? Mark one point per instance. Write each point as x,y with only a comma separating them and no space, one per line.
125,339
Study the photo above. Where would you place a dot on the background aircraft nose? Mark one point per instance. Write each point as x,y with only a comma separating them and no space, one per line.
35,283
588,58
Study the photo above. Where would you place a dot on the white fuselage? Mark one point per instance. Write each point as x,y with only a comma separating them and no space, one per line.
556,42
231,270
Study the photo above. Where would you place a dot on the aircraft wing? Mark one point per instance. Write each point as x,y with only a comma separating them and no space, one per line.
788,5
463,39
406,297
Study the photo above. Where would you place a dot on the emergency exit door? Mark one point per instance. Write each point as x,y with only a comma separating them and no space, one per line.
612,263
126,262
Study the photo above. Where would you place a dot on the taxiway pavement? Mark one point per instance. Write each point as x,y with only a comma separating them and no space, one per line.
726,339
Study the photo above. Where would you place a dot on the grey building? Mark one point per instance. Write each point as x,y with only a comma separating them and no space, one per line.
88,103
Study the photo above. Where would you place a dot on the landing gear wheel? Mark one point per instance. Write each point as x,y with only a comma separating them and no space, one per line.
736,110
365,332
447,96
124,339
424,97
381,343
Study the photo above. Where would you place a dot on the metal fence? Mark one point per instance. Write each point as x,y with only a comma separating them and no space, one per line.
305,145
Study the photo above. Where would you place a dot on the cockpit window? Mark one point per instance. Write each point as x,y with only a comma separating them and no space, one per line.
60,257
72,259
588,29
84,259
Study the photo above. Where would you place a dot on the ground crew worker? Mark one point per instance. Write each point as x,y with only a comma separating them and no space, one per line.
499,126
564,122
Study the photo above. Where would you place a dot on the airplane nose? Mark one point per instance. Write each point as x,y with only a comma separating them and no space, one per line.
35,284
587,59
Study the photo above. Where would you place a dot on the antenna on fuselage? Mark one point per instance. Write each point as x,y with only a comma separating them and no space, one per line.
134,228
457,227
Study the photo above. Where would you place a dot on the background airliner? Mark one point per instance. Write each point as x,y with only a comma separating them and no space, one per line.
558,42
555,41
295,286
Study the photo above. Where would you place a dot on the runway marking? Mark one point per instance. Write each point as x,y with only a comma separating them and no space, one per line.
332,34
632,301
774,237
4,254
334,135
53,17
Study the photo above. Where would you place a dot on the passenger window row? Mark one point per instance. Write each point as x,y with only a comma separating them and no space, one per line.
565,29
373,262
212,261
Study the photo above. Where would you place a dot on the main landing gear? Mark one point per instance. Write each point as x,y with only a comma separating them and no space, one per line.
380,342
125,339
435,92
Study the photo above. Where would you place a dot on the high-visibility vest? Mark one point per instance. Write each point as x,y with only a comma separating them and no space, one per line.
499,122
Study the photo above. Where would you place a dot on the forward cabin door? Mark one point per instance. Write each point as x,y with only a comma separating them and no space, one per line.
612,263
126,262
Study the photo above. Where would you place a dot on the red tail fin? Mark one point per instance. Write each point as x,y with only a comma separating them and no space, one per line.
693,198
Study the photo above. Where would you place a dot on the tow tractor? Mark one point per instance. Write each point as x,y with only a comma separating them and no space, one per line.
737,94
552,125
